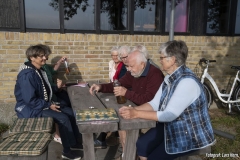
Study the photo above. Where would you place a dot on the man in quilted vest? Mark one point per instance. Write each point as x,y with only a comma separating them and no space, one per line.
179,108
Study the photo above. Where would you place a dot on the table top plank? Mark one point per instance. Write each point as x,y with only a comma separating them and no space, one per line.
80,98
110,101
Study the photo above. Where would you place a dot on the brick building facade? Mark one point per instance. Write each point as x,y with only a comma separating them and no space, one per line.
89,54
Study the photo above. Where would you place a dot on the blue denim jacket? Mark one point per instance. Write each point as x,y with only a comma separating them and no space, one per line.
192,129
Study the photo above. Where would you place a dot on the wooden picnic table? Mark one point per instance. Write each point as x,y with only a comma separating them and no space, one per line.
81,99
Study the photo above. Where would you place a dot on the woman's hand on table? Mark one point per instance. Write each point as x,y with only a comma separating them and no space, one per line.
94,88
55,108
128,112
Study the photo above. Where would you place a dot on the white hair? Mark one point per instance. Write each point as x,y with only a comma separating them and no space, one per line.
142,49
140,57
123,49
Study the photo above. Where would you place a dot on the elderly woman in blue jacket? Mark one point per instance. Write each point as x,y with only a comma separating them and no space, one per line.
179,107
33,94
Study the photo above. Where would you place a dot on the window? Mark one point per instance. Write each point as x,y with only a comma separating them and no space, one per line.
195,17
218,16
237,26
42,14
9,14
145,16
113,15
180,16
79,15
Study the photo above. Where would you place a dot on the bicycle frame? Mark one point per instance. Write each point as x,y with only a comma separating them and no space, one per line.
219,94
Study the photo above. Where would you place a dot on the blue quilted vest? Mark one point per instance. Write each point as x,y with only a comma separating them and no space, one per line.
192,129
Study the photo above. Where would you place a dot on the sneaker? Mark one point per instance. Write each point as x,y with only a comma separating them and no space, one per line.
100,144
71,155
77,147
57,140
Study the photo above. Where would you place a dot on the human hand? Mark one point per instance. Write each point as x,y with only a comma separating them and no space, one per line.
54,107
127,112
59,83
62,59
59,62
119,91
94,88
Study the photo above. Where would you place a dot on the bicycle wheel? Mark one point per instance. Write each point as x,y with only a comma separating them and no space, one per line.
208,94
236,95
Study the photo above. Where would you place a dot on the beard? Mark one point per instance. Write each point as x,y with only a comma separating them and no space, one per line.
136,75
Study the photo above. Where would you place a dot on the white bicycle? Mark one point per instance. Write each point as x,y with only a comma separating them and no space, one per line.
232,98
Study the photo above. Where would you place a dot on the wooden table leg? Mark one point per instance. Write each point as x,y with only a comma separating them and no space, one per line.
88,146
130,145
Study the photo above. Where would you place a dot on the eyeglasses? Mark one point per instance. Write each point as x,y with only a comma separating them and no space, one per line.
41,56
161,58
123,57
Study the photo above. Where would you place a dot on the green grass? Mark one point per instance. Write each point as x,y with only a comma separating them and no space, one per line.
230,124
3,128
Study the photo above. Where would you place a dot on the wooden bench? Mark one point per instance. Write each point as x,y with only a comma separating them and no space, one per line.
33,134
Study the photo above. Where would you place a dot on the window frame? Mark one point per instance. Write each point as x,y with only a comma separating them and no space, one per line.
194,9
231,22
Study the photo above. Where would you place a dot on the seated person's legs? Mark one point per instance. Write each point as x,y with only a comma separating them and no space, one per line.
150,140
57,137
65,128
100,142
122,136
69,112
63,97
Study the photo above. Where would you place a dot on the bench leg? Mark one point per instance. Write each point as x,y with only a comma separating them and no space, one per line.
130,145
88,146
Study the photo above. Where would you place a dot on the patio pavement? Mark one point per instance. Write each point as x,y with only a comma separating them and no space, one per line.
110,153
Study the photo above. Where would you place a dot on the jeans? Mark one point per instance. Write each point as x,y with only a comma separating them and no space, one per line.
68,128
152,145
63,98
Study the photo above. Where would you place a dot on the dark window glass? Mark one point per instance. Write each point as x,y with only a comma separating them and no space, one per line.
113,15
180,16
145,15
79,15
9,14
237,26
42,14
218,16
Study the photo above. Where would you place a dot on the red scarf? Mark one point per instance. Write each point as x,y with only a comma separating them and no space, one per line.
118,71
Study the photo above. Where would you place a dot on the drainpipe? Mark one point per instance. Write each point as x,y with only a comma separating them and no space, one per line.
171,30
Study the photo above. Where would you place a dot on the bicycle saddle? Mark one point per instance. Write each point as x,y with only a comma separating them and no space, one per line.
206,60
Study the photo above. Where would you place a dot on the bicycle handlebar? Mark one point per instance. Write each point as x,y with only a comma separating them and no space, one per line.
235,67
206,60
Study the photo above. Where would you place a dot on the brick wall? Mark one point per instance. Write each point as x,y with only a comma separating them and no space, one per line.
89,54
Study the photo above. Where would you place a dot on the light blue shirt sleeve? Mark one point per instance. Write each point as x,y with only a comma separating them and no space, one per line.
185,94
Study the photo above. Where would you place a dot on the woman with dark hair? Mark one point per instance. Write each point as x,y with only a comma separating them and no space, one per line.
33,94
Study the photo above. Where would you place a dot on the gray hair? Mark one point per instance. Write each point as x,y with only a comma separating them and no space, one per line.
123,49
140,57
114,49
35,51
178,49
142,49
